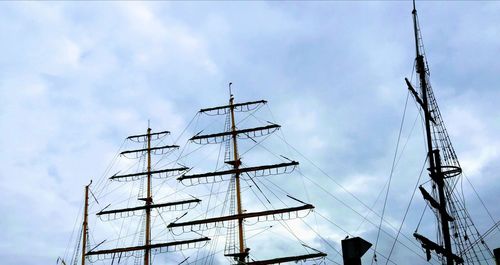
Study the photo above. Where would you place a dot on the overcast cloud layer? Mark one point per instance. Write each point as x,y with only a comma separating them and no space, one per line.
76,78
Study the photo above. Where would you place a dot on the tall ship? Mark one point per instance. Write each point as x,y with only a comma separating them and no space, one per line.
159,214
220,198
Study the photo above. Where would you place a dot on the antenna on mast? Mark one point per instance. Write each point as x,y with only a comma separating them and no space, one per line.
230,92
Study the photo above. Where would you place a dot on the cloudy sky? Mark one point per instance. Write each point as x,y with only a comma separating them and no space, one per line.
77,78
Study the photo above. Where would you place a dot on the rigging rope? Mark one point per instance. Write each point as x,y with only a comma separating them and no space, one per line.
72,234
481,200
390,175
408,207
350,207
329,193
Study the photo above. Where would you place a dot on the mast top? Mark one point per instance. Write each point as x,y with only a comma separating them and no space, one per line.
230,92
416,31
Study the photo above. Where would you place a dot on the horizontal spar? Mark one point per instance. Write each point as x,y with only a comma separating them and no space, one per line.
241,107
242,216
436,205
136,176
419,101
287,259
144,247
247,133
144,137
256,171
430,245
154,150
152,206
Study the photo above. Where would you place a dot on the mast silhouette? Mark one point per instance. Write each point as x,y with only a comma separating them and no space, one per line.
433,154
444,171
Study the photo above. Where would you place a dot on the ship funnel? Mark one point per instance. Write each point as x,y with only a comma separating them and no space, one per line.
353,249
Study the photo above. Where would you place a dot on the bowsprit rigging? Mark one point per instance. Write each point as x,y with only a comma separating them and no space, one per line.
459,242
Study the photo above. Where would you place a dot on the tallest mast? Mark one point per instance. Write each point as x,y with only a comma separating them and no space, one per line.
433,155
421,70
443,201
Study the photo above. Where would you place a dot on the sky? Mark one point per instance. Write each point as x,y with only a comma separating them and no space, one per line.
76,78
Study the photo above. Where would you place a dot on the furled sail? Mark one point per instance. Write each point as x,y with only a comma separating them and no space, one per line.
142,138
138,211
239,107
163,173
138,251
258,171
288,259
242,134
270,215
159,150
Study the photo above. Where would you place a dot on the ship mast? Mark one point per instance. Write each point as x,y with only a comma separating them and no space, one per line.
85,223
459,240
148,202
236,165
238,250
433,154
